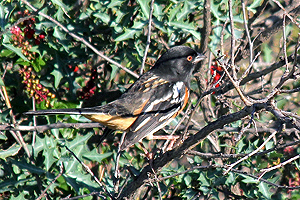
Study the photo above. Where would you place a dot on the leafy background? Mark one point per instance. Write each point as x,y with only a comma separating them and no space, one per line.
46,66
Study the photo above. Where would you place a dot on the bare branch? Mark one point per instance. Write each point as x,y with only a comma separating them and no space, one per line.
148,37
52,182
251,154
278,166
232,49
91,173
189,143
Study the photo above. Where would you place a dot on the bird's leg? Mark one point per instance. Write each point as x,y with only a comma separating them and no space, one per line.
171,138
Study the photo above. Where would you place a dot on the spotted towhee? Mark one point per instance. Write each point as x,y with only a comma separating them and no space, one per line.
150,103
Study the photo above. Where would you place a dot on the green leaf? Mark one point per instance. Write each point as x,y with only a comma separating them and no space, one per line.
3,137
230,179
186,27
203,179
71,165
49,159
254,5
38,63
95,156
265,190
1,82
173,13
129,34
39,145
61,36
61,4
72,182
21,196
249,179
11,151
187,179
77,141
114,71
182,25
183,12
7,53
145,7
29,167
18,51
57,75
105,18
190,194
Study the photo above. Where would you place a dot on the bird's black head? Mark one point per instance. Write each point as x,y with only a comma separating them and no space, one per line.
177,64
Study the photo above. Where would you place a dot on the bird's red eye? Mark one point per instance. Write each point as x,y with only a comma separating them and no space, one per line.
189,58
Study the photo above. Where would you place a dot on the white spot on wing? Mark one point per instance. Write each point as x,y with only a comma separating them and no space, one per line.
177,89
168,116
165,98
142,123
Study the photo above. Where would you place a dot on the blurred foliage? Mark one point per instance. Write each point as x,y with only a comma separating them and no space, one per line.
43,66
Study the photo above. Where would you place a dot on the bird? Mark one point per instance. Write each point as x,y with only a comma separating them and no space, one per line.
150,103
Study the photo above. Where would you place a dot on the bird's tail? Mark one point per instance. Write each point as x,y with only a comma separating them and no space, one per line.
68,111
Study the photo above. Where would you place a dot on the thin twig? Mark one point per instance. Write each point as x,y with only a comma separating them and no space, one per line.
222,37
251,154
148,38
230,156
85,195
284,44
246,100
247,32
289,16
52,182
278,166
247,71
90,172
214,166
232,41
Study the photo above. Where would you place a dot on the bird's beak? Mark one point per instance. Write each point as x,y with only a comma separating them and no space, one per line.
198,58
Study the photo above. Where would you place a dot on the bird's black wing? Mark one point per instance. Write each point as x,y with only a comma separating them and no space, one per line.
167,101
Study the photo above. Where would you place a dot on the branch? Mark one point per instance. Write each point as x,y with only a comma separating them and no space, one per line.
224,156
148,38
252,153
206,30
214,166
52,182
266,170
189,143
226,87
232,43
269,31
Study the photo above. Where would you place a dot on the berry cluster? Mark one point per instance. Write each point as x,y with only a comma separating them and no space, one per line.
22,38
33,86
295,181
216,71
89,90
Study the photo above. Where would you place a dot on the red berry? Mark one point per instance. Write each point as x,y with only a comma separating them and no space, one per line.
29,32
76,69
37,42
42,36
